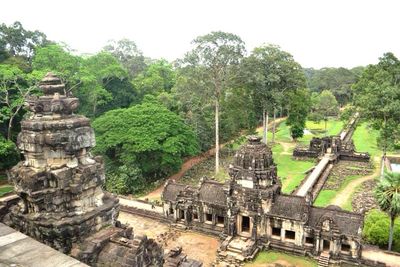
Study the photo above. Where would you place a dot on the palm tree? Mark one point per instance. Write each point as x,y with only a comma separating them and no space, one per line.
387,193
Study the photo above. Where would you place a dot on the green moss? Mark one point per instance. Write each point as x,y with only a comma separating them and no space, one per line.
266,257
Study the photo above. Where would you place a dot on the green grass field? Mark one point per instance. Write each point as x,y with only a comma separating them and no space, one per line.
291,171
268,257
326,196
317,129
364,138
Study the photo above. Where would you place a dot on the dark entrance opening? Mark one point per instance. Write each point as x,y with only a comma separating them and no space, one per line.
309,240
208,217
195,215
181,215
326,245
171,211
245,224
220,220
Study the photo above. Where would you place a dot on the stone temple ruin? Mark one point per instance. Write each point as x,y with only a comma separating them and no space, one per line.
61,202
249,212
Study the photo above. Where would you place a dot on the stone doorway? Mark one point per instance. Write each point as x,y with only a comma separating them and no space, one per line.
326,244
245,225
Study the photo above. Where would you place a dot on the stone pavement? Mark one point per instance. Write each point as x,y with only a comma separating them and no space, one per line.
374,254
140,205
19,250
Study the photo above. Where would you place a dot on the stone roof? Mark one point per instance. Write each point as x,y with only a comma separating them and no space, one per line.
172,190
291,207
212,192
347,223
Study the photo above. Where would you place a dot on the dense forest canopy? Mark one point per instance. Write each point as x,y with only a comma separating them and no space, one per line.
149,114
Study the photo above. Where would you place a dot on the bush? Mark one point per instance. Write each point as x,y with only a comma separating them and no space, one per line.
376,230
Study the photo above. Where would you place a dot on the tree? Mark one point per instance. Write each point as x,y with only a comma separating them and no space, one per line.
148,136
298,109
16,41
95,74
13,91
158,77
387,193
272,73
128,54
59,60
377,98
325,105
215,53
336,80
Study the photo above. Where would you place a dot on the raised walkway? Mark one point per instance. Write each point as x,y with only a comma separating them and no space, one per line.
314,176
19,250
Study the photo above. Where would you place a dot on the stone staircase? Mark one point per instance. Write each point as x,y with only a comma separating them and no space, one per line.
323,260
235,250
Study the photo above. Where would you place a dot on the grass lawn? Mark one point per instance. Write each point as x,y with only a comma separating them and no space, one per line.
317,129
291,171
364,138
5,189
267,257
326,196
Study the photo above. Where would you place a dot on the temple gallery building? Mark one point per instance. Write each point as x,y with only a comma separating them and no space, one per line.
249,212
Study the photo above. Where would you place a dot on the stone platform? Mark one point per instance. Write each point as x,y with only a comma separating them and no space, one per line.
17,249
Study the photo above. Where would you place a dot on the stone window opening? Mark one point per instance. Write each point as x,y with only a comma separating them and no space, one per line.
309,240
345,248
245,224
220,220
276,232
208,217
171,211
291,235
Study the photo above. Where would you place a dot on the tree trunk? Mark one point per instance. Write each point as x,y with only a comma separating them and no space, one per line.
263,125
266,127
273,127
216,136
325,127
391,232
10,122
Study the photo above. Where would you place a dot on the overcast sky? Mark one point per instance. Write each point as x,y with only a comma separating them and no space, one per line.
318,33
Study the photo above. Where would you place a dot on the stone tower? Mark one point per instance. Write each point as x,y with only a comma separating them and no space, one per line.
253,166
59,181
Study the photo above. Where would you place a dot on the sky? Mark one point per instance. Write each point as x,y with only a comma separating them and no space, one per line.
318,33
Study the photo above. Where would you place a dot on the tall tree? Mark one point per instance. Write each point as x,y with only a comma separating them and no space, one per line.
377,97
387,193
272,73
298,109
216,52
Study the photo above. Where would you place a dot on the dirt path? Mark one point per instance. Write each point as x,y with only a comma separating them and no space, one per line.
342,197
189,163
373,254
